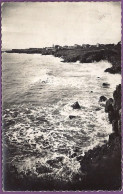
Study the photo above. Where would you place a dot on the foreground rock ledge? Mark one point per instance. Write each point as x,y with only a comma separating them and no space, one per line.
102,165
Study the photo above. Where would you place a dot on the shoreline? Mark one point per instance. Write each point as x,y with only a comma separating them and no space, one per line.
103,164
83,54
101,167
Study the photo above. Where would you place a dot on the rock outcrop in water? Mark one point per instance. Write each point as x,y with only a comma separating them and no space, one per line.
72,116
76,105
102,98
106,85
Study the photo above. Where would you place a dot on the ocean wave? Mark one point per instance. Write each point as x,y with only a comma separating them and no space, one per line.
46,133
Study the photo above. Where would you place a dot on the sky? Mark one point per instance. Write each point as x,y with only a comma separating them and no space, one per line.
40,24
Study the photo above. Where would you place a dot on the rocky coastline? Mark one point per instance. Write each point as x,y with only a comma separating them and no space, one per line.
101,167
83,53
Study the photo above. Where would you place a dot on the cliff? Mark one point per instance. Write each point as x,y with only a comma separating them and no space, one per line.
102,165
87,54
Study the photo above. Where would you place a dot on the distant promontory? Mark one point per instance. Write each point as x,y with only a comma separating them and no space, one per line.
84,53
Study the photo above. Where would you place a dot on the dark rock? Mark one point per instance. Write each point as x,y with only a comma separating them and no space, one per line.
119,127
71,116
114,69
41,119
83,167
60,159
51,162
117,98
115,126
102,98
105,141
109,105
113,107
79,158
76,105
73,155
97,109
112,137
43,169
106,85
110,70
91,91
44,82
76,149
111,116
55,162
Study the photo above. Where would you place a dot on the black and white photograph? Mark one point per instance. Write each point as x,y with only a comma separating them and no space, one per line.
61,96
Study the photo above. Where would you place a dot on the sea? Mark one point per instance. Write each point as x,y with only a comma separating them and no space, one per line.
37,96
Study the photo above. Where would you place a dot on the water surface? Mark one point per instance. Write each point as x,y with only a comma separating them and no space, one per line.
37,93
